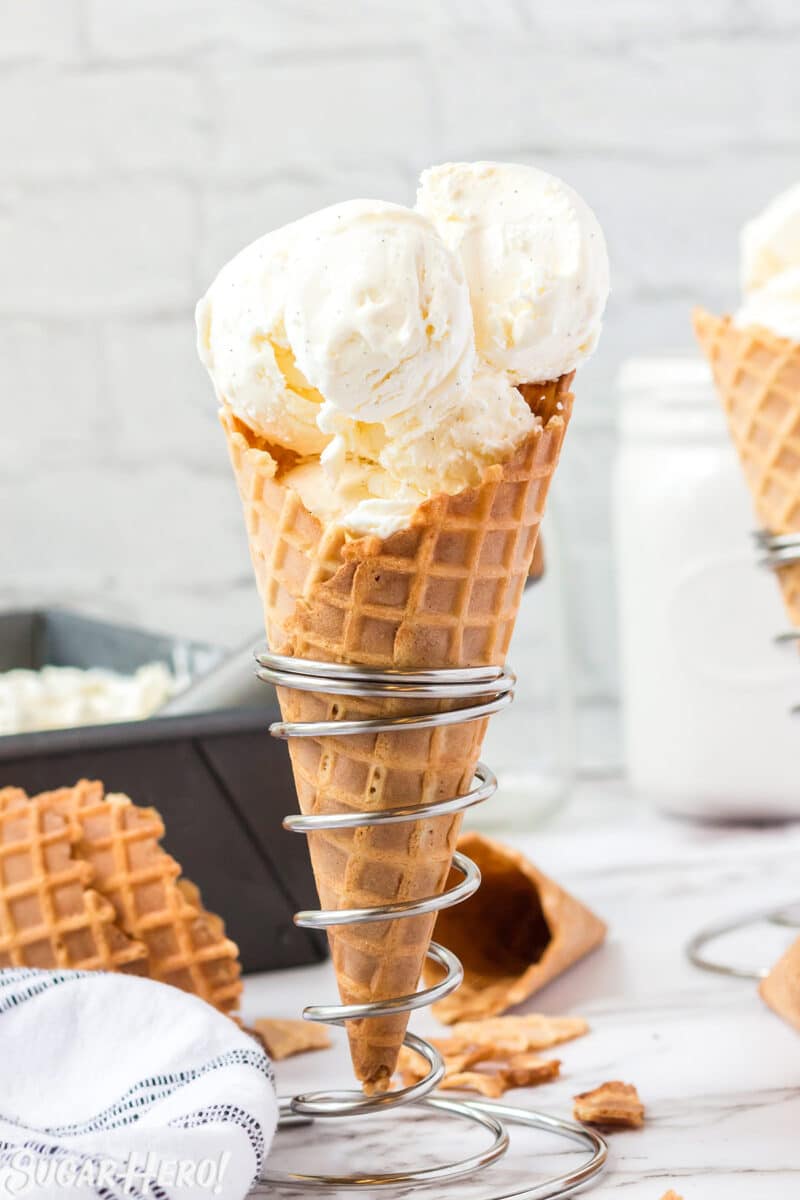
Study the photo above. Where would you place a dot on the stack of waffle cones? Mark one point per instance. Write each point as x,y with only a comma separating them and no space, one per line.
49,915
757,375
84,883
442,593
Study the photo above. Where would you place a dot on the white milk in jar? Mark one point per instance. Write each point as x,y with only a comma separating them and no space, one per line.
707,692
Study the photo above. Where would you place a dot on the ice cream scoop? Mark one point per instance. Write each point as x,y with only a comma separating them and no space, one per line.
774,306
347,338
535,260
242,342
364,338
771,241
770,268
377,311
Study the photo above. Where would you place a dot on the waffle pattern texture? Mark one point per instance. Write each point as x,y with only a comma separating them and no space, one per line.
442,593
49,916
757,375
85,883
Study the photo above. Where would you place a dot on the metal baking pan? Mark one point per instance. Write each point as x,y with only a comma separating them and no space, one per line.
220,782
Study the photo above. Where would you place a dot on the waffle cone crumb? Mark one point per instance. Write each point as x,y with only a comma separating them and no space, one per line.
501,1050
283,1038
611,1105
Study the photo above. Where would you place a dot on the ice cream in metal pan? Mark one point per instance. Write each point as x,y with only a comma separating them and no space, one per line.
65,697
395,399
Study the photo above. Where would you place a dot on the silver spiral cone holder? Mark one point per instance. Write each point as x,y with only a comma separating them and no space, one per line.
777,551
477,693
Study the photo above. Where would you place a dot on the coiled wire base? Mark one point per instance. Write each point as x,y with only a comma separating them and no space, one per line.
778,551
478,692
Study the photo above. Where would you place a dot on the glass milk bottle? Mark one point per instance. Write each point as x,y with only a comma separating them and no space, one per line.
531,745
707,692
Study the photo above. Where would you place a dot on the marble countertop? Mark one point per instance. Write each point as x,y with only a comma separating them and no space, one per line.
718,1072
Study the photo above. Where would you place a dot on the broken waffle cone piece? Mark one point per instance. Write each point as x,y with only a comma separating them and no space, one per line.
514,1035
492,1086
529,1070
612,1105
517,933
495,1079
442,593
505,1047
781,988
49,918
757,375
497,1071
283,1038
120,844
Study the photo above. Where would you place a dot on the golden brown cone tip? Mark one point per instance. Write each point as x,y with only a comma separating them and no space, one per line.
757,375
442,593
518,933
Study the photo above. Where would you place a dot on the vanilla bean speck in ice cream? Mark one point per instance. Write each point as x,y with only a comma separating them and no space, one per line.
381,345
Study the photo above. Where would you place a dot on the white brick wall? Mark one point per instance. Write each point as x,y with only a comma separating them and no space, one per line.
142,144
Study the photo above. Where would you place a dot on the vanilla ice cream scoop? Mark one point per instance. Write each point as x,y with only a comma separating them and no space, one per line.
535,260
382,345
242,342
774,306
770,267
377,311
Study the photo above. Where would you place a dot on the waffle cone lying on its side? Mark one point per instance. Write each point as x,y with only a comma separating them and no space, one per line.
442,593
519,932
757,375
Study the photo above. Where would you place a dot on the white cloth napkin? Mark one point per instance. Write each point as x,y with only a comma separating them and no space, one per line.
117,1087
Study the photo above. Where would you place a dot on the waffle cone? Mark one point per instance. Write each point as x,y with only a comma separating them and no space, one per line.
518,933
757,375
442,593
119,843
49,916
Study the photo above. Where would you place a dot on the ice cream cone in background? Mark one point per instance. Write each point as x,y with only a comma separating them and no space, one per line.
443,593
757,375
755,359
393,461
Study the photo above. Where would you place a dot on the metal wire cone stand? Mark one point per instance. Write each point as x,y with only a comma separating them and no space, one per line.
777,551
483,690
